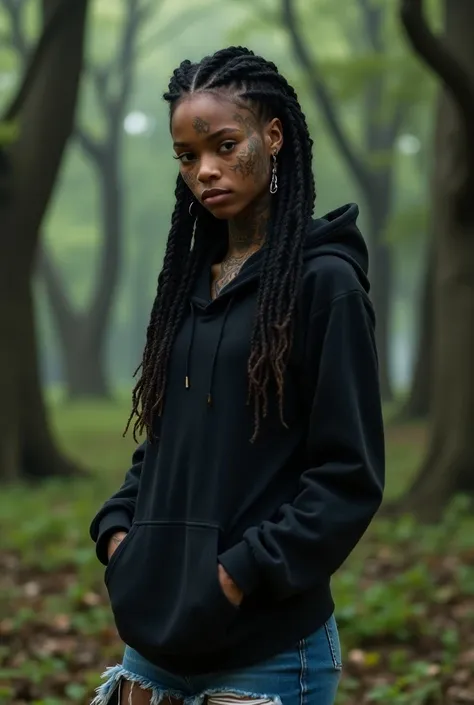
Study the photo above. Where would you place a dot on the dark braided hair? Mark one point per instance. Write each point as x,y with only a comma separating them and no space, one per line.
254,83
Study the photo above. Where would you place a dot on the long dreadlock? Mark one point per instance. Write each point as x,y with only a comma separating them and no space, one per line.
256,83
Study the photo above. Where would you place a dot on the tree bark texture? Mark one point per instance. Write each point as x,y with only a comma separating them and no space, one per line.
46,114
448,468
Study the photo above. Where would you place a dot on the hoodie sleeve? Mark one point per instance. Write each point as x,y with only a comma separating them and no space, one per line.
342,487
117,513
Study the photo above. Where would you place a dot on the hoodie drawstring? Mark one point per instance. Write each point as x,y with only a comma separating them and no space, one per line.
187,382
216,351
187,379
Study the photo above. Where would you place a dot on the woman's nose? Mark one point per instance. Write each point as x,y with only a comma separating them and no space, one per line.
208,170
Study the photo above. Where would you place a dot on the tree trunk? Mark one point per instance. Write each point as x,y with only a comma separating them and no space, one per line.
27,448
380,136
379,205
84,365
83,335
449,464
381,289
83,355
418,403
109,272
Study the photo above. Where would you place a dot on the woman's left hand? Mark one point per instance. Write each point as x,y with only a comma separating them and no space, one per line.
233,593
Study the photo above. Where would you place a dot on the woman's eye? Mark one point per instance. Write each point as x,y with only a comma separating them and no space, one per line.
227,147
185,158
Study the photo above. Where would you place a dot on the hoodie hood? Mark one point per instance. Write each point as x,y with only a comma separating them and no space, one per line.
337,234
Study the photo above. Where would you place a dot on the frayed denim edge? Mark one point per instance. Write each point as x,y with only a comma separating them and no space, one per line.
115,674
235,692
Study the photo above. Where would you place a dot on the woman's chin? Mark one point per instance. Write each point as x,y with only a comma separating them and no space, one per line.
225,211
232,209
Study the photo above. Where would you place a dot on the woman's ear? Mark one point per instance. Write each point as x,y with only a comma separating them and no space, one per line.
274,136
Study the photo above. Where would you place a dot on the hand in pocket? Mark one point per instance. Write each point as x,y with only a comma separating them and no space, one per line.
114,542
232,592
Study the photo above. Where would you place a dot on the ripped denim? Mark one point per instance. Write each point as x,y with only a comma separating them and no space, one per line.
306,674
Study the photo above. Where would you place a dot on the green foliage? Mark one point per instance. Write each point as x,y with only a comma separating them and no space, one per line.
404,606
342,51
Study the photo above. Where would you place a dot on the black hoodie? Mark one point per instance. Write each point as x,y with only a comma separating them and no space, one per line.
280,514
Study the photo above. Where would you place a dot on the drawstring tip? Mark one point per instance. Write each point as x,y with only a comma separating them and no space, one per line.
209,399
186,382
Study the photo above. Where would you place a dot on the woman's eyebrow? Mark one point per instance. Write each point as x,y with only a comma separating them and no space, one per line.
219,133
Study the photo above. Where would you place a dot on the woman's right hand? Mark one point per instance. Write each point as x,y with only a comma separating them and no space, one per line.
114,542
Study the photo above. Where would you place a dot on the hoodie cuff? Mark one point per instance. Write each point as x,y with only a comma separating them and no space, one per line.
242,567
118,520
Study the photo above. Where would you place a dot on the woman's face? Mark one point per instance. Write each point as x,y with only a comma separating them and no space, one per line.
224,152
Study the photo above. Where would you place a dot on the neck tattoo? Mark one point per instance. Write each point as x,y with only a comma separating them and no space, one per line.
246,236
249,229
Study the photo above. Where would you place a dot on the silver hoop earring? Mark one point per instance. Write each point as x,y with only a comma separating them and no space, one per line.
274,179
190,211
193,236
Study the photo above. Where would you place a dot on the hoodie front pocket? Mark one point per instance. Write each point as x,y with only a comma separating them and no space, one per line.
165,591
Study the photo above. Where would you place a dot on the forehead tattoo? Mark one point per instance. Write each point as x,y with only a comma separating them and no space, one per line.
201,126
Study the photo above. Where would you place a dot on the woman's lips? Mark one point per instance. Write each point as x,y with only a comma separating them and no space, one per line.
214,196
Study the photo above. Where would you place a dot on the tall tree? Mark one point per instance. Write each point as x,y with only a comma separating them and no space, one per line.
83,332
44,108
371,163
448,467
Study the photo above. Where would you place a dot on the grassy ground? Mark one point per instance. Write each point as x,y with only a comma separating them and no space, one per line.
405,599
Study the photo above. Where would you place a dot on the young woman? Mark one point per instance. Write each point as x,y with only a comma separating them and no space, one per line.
263,462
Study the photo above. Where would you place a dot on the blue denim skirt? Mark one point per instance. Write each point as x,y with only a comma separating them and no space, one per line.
307,674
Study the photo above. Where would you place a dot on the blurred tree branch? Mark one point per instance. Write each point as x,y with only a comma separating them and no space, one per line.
371,163
104,152
119,68
83,334
437,56
100,78
17,37
52,24
323,96
373,15
58,298
453,74
92,147
173,27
